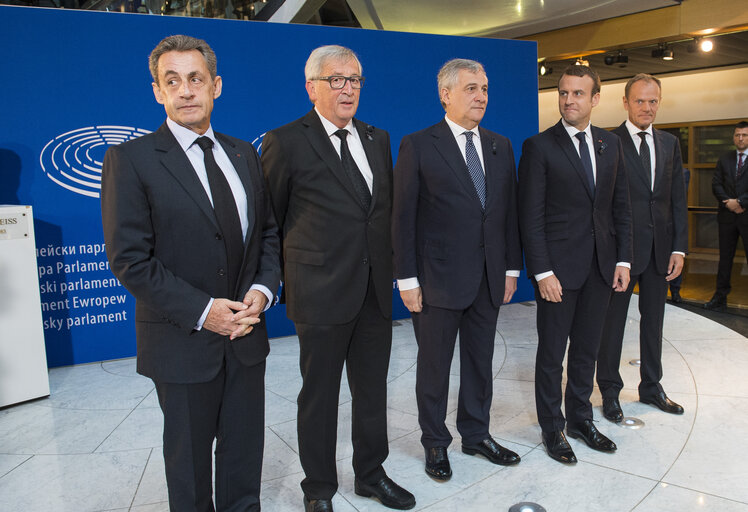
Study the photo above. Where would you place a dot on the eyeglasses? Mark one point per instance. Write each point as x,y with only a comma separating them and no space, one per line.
338,81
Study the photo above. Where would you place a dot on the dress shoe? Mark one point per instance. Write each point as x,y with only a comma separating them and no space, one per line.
716,303
662,402
593,437
317,505
558,447
387,492
612,410
675,297
493,451
437,463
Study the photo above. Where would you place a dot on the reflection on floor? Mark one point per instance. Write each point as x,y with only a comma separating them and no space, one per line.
94,445
699,280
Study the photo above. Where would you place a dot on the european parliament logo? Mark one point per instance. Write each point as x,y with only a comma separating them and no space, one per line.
73,159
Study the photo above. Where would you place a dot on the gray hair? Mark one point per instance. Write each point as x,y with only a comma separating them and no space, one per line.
182,43
320,56
447,77
639,77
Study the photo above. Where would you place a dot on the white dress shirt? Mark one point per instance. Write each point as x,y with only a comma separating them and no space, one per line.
458,132
354,144
186,139
634,132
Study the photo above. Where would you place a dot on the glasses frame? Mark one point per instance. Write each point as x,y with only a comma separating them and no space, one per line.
346,79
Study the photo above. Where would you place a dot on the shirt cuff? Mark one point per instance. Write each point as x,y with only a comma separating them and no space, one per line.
512,273
625,264
266,292
543,275
201,321
409,283
679,252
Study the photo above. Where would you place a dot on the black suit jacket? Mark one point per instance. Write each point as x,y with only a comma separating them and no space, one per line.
329,241
725,186
660,215
163,244
562,223
440,232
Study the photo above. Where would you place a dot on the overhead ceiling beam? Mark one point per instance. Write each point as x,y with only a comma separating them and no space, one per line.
295,11
689,19
366,14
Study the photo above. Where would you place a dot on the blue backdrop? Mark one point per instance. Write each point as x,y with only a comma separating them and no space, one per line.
78,82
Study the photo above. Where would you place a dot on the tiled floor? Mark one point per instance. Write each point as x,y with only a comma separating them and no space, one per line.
94,444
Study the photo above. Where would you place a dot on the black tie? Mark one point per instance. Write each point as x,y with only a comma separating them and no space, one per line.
351,169
645,157
474,168
226,212
739,170
584,154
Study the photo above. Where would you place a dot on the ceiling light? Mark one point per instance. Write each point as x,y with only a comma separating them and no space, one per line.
582,62
663,52
667,54
544,70
706,45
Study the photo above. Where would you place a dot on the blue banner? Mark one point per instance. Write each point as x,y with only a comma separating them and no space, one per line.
79,83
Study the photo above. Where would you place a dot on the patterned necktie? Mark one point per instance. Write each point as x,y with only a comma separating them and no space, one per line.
475,169
584,154
353,172
645,157
226,212
739,170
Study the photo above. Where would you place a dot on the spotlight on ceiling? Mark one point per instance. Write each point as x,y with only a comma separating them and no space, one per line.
544,70
663,52
706,45
582,62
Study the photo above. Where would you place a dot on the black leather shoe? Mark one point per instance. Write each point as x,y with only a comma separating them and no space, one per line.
593,437
716,303
493,451
558,447
387,492
675,297
437,463
317,505
662,402
612,410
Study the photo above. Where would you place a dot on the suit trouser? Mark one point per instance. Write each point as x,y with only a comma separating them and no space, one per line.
436,332
579,318
652,295
728,242
230,409
363,345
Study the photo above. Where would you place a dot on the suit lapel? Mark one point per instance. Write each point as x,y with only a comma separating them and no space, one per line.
659,158
633,162
176,162
239,161
322,145
374,158
488,147
564,141
446,145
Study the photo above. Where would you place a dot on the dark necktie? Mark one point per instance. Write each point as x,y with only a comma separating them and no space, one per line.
226,212
739,170
584,154
645,157
474,168
353,172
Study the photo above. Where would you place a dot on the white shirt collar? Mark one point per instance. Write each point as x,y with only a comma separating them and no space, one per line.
572,131
186,137
330,128
634,130
458,130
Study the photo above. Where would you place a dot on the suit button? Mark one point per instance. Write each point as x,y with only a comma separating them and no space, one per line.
366,261
221,272
218,236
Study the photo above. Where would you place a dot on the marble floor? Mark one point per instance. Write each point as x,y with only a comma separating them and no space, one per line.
95,443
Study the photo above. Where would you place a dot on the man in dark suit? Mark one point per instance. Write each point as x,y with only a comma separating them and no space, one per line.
660,221
330,180
730,187
190,232
457,259
575,221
